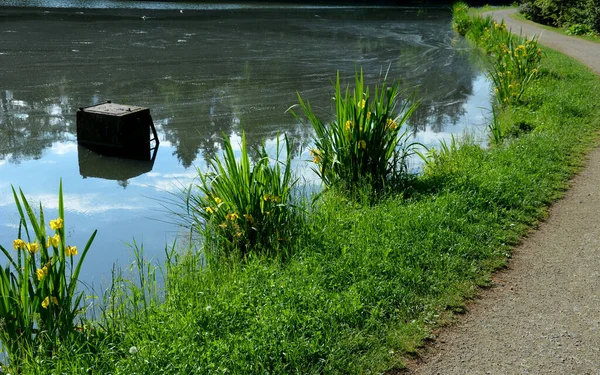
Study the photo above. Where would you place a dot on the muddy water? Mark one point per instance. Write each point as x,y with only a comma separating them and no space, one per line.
203,71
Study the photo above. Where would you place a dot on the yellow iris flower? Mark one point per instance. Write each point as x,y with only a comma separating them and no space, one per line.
19,244
232,216
47,300
349,125
249,218
391,124
54,241
41,272
316,154
57,224
32,247
272,198
71,250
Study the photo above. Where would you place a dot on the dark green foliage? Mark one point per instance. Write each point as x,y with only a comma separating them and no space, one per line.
564,13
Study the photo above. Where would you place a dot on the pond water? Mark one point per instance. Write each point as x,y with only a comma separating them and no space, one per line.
204,71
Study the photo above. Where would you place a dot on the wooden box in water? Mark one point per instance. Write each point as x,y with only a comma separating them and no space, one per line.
116,130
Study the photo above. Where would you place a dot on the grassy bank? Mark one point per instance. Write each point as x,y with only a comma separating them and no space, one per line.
364,284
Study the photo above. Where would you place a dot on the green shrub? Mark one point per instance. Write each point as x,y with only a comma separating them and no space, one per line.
242,206
579,29
562,13
529,11
38,298
366,143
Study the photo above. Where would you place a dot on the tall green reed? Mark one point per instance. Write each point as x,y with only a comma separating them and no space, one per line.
461,20
515,59
39,301
367,142
243,207
497,133
517,62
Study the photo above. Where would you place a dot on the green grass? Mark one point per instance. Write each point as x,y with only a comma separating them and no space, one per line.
365,284
489,8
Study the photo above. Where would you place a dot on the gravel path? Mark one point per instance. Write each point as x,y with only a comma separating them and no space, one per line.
542,315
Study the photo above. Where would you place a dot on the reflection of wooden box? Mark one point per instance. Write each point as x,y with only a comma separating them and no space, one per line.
92,164
116,130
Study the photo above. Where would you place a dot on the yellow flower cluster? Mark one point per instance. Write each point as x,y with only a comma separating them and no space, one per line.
499,26
31,247
362,144
317,155
47,300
